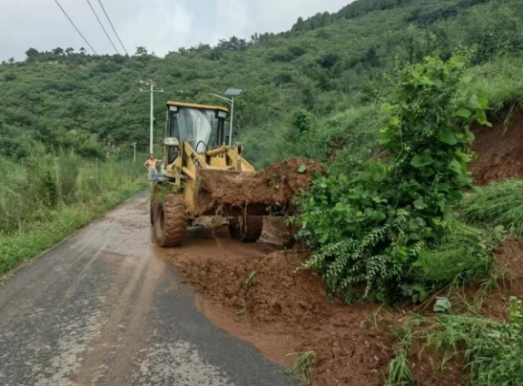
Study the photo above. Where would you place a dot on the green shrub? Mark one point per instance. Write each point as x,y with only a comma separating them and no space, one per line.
368,230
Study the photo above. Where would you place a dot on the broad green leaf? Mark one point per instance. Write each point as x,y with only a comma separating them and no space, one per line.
385,137
483,100
463,113
448,137
482,118
340,207
420,161
420,204
414,237
386,107
474,102
455,166
394,121
426,81
442,305
457,61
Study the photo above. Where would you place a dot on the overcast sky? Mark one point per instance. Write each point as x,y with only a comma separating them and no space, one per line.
159,25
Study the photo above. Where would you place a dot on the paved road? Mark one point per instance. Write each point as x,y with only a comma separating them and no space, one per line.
104,309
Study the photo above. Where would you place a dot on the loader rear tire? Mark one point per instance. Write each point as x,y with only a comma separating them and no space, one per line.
246,229
170,221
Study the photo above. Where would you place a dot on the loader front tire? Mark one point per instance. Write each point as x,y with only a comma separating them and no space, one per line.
246,229
170,221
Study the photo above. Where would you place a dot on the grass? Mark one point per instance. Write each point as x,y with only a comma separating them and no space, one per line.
42,204
465,253
500,80
400,373
499,204
491,352
250,281
301,368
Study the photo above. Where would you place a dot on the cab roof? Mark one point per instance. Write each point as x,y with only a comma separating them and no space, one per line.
197,106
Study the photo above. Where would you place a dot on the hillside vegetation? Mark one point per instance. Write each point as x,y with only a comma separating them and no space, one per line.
333,66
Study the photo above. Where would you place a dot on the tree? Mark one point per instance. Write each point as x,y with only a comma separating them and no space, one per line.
69,50
141,51
11,60
32,54
58,51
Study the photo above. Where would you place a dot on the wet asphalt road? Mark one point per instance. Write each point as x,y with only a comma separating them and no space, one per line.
104,309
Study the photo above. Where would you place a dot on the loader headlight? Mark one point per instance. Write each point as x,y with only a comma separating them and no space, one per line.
171,142
222,114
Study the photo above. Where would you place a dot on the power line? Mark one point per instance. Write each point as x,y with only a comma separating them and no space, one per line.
76,28
112,26
101,25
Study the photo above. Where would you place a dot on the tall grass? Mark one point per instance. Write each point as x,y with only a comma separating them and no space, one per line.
44,198
463,254
499,204
490,351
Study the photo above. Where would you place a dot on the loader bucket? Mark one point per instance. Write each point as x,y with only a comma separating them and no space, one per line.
270,191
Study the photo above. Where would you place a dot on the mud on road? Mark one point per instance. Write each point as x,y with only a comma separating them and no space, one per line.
105,308
253,292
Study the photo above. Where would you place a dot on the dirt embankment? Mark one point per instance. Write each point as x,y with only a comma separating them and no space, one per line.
499,150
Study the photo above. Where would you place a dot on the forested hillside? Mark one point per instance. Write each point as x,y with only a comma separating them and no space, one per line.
315,86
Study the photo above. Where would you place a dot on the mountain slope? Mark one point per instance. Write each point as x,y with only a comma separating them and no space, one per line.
72,100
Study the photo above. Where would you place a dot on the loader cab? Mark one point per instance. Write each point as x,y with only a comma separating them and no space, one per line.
201,126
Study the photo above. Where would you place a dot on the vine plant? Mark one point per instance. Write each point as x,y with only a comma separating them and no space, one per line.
368,230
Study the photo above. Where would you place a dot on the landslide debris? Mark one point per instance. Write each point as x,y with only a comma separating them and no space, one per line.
271,306
277,185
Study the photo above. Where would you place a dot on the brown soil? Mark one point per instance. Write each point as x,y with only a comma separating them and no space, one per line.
275,185
509,256
282,313
254,292
499,150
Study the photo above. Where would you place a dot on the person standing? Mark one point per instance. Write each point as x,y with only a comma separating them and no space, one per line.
151,165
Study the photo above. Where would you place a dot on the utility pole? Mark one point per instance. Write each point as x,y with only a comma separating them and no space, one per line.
134,146
151,85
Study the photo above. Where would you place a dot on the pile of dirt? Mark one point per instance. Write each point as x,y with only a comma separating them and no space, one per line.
289,313
276,185
499,150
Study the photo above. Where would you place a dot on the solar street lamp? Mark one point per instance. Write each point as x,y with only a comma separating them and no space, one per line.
232,93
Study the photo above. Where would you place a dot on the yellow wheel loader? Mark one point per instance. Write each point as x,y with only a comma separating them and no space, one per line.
196,152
